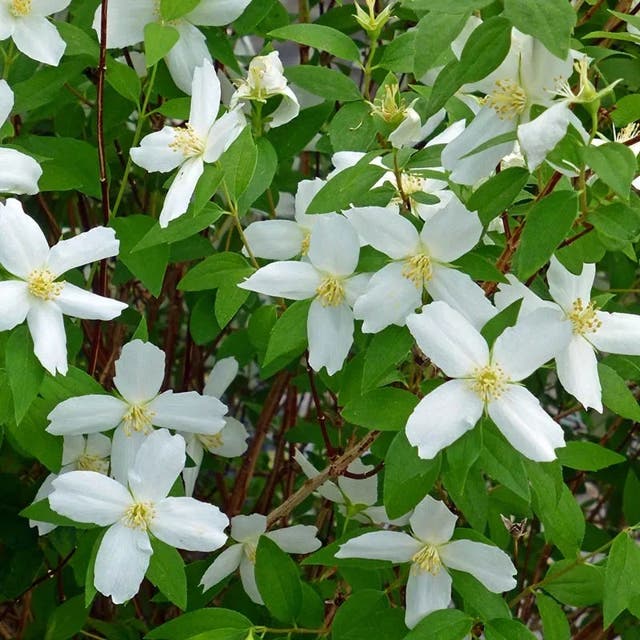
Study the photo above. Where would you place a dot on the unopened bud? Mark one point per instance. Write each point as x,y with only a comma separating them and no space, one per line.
371,22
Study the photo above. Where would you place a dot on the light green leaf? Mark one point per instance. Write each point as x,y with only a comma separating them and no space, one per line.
616,395
576,585
215,271
622,577
239,164
289,334
158,41
615,165
387,348
588,456
319,37
507,630
496,194
124,80
172,9
448,624
322,81
386,409
196,622
67,619
228,301
366,615
166,571
554,619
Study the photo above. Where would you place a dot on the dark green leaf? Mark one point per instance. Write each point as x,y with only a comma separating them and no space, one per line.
166,571
239,164
588,456
366,615
327,83
24,371
616,395
448,624
615,165
622,577
216,271
289,334
554,619
386,409
320,37
158,41
67,619
200,621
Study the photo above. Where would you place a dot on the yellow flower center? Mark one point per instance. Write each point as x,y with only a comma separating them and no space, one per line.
306,241
418,269
508,99
391,108
628,132
139,515
411,183
331,292
187,142
428,559
489,382
211,442
584,318
20,8
41,283
138,418
89,462
250,551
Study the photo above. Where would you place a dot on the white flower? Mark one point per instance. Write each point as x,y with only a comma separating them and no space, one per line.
36,293
431,552
26,22
230,441
356,497
420,261
485,380
285,239
139,375
136,509
78,454
529,75
19,173
591,330
202,139
246,530
266,79
327,278
126,21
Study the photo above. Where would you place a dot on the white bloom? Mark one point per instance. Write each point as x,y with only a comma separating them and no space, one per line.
36,294
591,330
139,374
230,441
26,22
202,139
529,75
327,278
266,79
246,530
420,261
356,497
19,173
485,380
431,552
78,454
285,239
126,21
136,509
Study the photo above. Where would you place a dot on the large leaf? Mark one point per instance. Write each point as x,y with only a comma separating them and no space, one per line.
622,577
319,37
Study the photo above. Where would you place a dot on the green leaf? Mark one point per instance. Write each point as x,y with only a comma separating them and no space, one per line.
222,634
172,9
507,630
166,571
266,166
278,581
300,131
387,348
448,624
437,6
289,334
90,590
158,41
407,478
319,37
216,271
630,502
124,80
67,619
496,194
477,599
239,164
366,615
41,512
353,128
228,301
627,110
588,456
576,585
615,165
554,619
24,371
322,81
549,21
501,321
547,224
200,621
622,577
386,409
435,32
616,395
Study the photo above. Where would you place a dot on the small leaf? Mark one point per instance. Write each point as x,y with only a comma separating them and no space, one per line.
616,395
166,571
386,350
622,577
615,165
554,619
507,630
172,9
239,164
321,81
588,456
158,41
289,334
386,409
448,624
196,622
319,37
24,371
67,619
216,271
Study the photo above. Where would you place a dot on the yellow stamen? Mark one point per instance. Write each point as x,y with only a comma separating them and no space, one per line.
489,382
211,442
139,515
411,183
138,418
584,318
630,131
42,284
20,8
508,99
187,142
250,552
418,269
392,107
331,292
305,244
428,559
89,462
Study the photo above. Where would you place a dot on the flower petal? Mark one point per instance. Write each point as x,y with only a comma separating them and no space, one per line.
306,192
299,538
6,101
86,305
488,564
188,524
195,451
139,371
275,239
38,39
526,425
19,172
362,491
222,375
125,21
86,414
225,564
328,489
234,439
394,546
14,303
205,100
121,562
90,246
432,522
618,333
23,246
286,279
330,334
287,110
334,247
248,578
49,339
443,416
447,338
188,411
388,232
426,593
186,55
87,496
155,152
223,133
248,528
577,368
179,195
216,13
124,449
565,288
